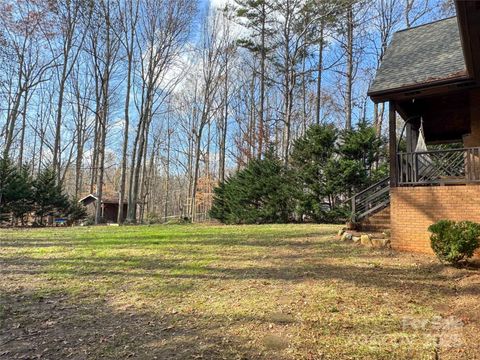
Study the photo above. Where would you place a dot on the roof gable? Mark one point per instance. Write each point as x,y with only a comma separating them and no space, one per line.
421,56
106,199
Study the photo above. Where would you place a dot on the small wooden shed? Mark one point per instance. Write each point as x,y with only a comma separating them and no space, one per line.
110,207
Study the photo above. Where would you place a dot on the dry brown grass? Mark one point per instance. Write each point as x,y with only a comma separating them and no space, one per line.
215,292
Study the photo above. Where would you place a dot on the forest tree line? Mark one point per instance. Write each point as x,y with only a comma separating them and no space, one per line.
159,101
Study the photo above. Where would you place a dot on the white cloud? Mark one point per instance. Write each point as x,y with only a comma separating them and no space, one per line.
219,4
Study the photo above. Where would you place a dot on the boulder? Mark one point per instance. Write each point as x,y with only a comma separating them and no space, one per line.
377,243
351,225
365,240
346,236
381,243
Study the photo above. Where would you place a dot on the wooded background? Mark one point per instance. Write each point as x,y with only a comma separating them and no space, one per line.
159,100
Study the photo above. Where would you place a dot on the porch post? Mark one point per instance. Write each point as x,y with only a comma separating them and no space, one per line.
412,138
392,130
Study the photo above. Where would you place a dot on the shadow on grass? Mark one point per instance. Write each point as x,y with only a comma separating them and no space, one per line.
320,261
64,326
57,328
286,238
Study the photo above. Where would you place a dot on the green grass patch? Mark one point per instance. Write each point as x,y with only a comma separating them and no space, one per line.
202,291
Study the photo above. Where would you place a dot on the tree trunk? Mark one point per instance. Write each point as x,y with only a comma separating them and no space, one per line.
318,109
196,173
100,172
22,132
349,73
261,110
167,173
12,119
58,124
123,175
223,132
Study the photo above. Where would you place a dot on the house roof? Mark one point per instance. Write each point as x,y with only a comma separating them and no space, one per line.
419,56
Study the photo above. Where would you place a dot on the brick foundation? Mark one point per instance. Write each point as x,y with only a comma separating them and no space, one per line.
414,209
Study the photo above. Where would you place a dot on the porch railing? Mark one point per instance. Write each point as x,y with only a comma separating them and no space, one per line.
439,167
369,201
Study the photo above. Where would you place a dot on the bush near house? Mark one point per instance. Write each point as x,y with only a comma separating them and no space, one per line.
453,241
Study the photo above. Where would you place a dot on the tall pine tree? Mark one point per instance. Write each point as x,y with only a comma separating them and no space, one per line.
24,198
310,156
49,195
8,178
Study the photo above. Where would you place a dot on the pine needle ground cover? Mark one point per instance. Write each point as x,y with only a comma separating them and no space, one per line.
227,292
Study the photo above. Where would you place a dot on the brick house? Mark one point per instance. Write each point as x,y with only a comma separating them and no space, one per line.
430,77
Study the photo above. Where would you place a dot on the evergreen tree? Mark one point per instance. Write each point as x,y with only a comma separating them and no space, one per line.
24,197
310,156
356,164
76,211
261,193
219,208
360,151
330,167
8,175
49,196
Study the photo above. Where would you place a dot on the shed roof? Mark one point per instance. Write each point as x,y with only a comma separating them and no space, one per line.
106,199
421,55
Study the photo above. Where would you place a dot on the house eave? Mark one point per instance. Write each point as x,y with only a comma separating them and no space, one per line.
418,90
468,15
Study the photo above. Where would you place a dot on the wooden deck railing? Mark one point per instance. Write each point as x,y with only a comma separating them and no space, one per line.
439,167
374,198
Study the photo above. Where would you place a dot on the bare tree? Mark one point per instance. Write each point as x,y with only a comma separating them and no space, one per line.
81,85
415,10
295,25
104,50
386,18
130,14
164,30
210,68
23,30
228,58
69,15
349,66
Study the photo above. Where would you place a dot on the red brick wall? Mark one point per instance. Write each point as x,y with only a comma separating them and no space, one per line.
414,209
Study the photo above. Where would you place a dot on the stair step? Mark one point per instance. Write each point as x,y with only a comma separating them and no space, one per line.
372,206
378,221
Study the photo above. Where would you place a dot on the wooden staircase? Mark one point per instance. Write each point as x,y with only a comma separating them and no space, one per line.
370,208
377,222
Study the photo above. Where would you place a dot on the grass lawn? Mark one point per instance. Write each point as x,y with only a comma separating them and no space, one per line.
217,292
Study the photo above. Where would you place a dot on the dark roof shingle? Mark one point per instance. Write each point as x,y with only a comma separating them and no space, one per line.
421,55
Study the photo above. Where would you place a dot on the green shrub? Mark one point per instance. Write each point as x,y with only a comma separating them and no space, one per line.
152,218
178,221
453,241
76,211
261,193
